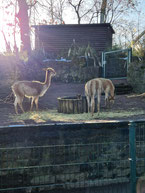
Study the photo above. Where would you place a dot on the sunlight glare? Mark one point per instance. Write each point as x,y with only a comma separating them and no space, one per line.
7,29
2,44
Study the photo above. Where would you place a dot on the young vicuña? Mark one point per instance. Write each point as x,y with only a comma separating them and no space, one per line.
31,89
94,88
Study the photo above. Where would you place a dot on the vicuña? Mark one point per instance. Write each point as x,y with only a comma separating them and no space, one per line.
31,89
94,88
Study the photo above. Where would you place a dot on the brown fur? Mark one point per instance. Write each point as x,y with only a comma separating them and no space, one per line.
96,87
31,89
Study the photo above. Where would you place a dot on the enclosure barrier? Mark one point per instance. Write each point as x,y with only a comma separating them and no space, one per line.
94,158
115,63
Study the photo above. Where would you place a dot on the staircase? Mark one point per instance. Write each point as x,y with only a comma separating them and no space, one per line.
123,89
122,86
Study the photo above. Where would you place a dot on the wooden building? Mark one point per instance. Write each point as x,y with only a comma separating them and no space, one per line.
56,38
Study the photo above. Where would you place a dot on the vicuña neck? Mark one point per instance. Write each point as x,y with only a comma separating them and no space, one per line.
112,91
47,78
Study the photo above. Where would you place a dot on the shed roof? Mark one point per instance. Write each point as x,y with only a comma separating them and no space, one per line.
75,26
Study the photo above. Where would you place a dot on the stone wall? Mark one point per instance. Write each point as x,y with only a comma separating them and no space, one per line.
64,156
69,72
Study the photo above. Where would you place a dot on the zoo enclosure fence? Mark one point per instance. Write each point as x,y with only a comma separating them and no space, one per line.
115,63
90,157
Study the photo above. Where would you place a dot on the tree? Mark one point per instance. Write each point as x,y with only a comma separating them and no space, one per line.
23,18
7,44
138,45
116,9
7,27
15,15
60,11
53,11
110,11
80,8
103,11
138,37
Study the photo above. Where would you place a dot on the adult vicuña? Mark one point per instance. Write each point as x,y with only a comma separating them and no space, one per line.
96,87
31,89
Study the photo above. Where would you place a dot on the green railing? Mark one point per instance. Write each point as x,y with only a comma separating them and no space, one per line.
115,63
103,158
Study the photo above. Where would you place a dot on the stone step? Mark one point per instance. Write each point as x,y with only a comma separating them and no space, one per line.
123,89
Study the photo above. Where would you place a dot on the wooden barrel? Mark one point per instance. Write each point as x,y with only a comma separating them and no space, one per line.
72,105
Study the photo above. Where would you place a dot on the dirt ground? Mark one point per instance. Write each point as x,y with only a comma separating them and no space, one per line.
49,101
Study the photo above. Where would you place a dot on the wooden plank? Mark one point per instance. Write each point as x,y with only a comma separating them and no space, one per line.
80,106
70,107
75,106
84,104
67,106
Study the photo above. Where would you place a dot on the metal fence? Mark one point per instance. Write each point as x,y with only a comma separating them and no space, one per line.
115,63
109,160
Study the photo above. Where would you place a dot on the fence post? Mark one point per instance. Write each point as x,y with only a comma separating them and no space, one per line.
132,148
103,64
129,57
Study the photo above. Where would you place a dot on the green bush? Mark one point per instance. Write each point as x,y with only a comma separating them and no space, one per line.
71,73
83,55
136,76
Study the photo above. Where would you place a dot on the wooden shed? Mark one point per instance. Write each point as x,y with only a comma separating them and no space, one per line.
55,38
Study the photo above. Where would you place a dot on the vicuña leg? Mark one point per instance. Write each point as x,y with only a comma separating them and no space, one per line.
32,101
15,105
92,105
36,103
107,103
18,101
88,102
98,105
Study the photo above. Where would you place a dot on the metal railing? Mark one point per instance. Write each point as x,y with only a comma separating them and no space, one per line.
115,63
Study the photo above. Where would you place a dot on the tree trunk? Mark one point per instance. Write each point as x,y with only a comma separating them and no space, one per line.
24,25
8,47
103,11
15,44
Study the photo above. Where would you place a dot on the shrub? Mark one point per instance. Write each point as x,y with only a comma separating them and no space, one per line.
136,76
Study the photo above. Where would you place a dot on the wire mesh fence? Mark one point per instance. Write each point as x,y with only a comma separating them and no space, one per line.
100,161
115,63
140,157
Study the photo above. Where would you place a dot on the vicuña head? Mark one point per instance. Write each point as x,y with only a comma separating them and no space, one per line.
111,99
31,89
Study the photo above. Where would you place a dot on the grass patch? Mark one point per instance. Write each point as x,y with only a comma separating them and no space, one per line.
53,115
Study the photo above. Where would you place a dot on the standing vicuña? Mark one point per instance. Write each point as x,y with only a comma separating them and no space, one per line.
96,87
31,89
